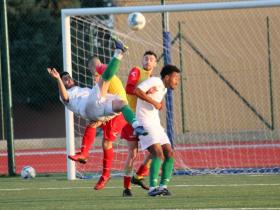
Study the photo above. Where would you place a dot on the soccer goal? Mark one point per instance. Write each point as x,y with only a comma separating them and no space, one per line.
224,117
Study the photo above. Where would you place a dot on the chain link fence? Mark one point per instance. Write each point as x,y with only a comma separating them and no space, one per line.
35,44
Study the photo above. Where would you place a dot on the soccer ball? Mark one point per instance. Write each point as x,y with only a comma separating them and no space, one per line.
136,21
27,172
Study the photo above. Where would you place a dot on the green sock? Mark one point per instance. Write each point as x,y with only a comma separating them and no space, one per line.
128,114
111,69
154,171
167,168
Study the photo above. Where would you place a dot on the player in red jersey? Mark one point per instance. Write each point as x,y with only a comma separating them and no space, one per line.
110,128
135,77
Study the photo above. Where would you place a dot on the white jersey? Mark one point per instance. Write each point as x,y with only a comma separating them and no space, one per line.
146,113
89,104
78,98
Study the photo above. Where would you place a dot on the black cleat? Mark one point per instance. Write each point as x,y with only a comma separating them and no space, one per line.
127,193
155,192
166,192
140,131
139,182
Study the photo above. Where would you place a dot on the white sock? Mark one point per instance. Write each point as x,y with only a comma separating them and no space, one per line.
162,187
151,189
118,54
135,124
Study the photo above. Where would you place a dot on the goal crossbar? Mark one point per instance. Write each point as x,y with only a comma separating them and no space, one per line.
173,8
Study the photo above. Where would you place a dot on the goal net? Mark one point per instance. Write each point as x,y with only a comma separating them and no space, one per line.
226,108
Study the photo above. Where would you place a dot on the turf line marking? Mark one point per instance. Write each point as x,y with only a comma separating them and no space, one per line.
114,187
224,185
45,188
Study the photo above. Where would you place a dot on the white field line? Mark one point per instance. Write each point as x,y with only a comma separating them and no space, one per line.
119,187
179,148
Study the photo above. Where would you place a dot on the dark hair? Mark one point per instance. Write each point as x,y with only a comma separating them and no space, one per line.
149,52
91,57
63,74
168,69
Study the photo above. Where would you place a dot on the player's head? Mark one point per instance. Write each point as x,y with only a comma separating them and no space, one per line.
67,80
170,76
149,61
96,67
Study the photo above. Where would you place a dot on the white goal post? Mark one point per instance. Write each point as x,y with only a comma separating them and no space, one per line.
202,131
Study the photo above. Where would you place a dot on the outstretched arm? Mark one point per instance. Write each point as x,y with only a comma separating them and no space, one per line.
144,96
62,90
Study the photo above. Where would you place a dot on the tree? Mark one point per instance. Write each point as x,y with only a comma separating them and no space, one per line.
35,44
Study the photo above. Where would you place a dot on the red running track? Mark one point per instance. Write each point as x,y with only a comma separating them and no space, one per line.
195,156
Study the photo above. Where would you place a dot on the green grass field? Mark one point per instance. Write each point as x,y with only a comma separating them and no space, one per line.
188,192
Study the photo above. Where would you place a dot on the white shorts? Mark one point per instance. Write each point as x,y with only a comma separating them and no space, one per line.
100,108
156,134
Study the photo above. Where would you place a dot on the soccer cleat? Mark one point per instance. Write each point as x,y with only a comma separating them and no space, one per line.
140,131
139,182
78,157
165,192
119,44
155,192
127,193
101,183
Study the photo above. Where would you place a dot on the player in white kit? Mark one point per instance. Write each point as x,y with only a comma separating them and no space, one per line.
150,95
96,104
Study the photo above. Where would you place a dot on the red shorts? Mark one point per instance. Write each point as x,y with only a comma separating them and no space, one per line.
113,127
127,133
